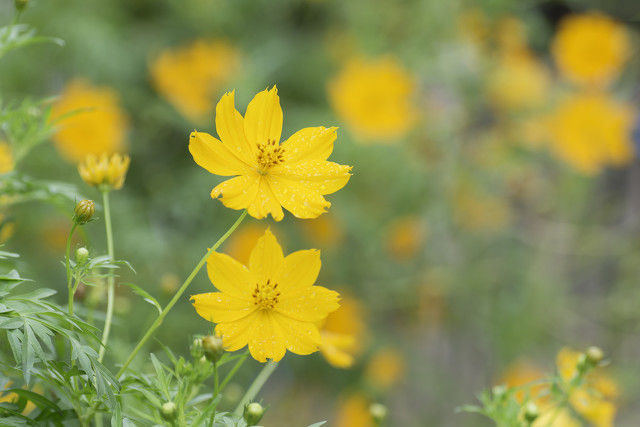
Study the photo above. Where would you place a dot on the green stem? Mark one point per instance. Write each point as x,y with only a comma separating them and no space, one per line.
254,389
69,276
216,390
178,294
233,370
111,279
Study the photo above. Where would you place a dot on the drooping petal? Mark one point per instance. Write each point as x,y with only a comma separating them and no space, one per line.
211,154
300,337
265,202
263,120
239,192
313,143
229,276
236,335
266,258
309,305
230,128
218,307
321,176
335,348
301,201
267,340
298,271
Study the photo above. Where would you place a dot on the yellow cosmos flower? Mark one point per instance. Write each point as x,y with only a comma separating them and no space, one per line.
374,99
354,411
385,368
188,76
96,124
522,373
269,175
272,305
590,48
6,158
343,334
326,230
589,131
405,237
104,172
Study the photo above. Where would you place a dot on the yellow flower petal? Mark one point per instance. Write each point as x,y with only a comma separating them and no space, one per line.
230,128
238,192
229,276
211,154
220,307
311,305
298,271
321,176
314,143
267,340
298,199
334,347
236,335
300,337
266,257
263,120
265,202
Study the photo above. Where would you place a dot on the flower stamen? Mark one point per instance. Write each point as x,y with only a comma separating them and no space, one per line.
270,154
266,296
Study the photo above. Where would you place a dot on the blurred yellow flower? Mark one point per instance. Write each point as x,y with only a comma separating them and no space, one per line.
7,227
522,373
374,99
589,131
385,368
104,172
95,123
268,175
189,76
405,237
593,399
271,306
590,48
325,230
6,158
343,333
354,412
477,210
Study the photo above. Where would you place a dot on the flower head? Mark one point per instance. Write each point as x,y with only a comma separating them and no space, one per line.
343,333
590,48
268,175
271,305
105,172
96,124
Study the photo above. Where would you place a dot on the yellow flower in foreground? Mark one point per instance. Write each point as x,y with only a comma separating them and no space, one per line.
6,158
294,175
271,306
590,131
104,172
343,334
188,76
374,99
593,400
590,48
96,124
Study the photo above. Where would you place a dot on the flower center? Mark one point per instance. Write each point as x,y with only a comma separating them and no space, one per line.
270,154
266,296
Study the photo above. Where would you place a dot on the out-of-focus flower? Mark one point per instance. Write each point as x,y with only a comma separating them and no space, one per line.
325,230
521,373
6,158
7,227
385,368
510,35
13,397
268,175
590,48
272,305
474,27
374,99
476,210
593,399
94,123
432,297
343,333
353,411
105,173
189,76
591,130
169,283
405,237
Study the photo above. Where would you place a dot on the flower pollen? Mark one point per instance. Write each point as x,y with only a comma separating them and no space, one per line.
270,154
266,296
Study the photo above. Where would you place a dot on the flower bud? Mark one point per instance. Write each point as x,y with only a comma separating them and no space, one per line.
84,211
213,348
499,392
20,4
82,254
253,413
378,412
531,412
594,355
169,411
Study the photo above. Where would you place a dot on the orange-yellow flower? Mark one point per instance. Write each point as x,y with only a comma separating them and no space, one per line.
343,334
189,76
272,305
105,172
353,411
96,124
385,368
6,158
590,48
268,175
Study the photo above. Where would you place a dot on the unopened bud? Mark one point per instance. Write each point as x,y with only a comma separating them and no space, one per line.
378,412
531,412
213,347
20,4
499,392
82,254
169,411
253,413
84,211
594,355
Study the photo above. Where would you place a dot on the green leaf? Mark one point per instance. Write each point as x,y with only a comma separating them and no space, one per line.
321,423
145,295
37,399
16,36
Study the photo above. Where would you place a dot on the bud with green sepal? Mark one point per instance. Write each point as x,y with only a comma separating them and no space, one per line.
84,211
253,413
169,411
213,347
82,254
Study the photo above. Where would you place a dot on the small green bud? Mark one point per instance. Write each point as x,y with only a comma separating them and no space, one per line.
253,413
531,412
378,412
213,347
84,211
20,4
499,392
583,365
594,355
82,254
169,411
